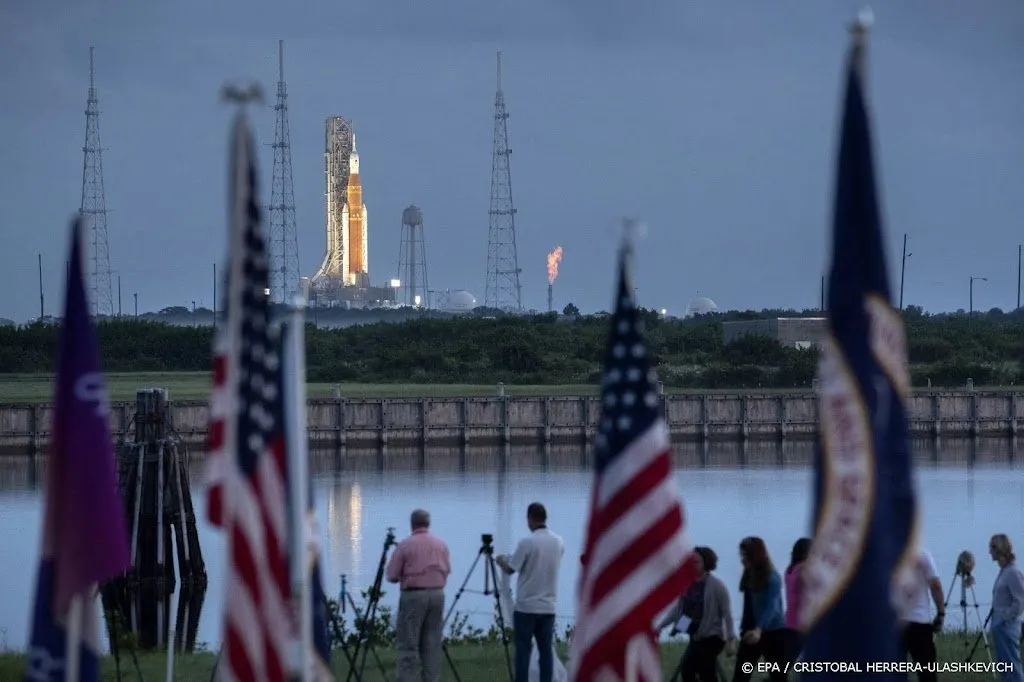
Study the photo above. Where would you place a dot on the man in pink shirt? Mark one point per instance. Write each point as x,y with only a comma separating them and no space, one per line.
421,565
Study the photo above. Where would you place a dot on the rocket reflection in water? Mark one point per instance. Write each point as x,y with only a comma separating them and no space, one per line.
345,530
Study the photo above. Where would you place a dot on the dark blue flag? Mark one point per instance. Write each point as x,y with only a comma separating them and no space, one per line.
85,540
865,522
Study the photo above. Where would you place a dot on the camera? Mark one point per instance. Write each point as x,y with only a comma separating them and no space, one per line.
389,539
487,539
965,564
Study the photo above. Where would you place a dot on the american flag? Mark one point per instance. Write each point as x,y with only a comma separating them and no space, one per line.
636,555
247,485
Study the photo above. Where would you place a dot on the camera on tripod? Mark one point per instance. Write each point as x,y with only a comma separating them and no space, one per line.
389,539
965,567
487,542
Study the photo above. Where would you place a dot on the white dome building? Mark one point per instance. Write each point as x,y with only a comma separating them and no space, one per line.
460,301
700,306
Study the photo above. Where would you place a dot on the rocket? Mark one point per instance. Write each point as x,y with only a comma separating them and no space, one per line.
354,224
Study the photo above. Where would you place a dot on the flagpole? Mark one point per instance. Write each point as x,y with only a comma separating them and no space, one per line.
73,645
298,479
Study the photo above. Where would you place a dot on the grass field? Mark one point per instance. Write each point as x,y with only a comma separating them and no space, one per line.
38,388
475,663
35,388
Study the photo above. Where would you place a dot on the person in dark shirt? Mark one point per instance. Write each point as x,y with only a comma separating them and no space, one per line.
706,605
762,629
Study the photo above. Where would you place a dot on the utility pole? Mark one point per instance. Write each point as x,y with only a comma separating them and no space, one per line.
822,306
982,279
119,294
214,294
903,268
42,306
136,295
1019,246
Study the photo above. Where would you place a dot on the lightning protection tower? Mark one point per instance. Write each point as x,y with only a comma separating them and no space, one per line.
284,238
502,290
412,258
94,205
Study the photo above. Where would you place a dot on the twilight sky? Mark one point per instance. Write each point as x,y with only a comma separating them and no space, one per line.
713,121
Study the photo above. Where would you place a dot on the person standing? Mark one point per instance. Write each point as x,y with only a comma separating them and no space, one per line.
536,560
421,565
763,626
919,626
794,597
706,604
1007,608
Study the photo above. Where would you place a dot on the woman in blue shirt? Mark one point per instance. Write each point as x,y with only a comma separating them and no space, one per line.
762,630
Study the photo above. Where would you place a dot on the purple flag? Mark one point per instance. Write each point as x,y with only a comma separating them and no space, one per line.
85,539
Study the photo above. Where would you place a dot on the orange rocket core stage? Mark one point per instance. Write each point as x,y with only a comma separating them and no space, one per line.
356,226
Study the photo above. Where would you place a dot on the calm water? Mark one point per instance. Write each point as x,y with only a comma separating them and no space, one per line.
962,505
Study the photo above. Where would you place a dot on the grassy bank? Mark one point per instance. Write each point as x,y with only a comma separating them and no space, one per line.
38,388
475,663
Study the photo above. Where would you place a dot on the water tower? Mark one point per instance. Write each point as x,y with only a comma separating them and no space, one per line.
412,259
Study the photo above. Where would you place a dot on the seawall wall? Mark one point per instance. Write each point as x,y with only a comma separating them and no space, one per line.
424,421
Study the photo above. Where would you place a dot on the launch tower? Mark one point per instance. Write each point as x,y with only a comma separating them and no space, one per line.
284,238
503,290
344,273
94,206
412,258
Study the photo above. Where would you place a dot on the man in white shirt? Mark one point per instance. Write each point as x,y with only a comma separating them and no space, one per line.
919,626
537,559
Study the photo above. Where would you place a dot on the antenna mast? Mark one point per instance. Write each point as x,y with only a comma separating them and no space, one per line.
94,205
284,238
503,290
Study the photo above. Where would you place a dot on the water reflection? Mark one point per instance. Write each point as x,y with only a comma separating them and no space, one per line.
138,617
344,520
968,490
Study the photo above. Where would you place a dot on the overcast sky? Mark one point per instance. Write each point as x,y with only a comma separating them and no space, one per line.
713,121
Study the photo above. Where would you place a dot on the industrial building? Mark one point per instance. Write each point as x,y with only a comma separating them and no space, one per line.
795,332
343,277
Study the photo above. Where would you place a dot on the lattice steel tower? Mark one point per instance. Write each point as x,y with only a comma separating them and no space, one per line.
503,290
412,258
94,206
284,238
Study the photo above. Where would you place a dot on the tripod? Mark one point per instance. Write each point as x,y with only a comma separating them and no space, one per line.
369,615
967,583
490,586
337,622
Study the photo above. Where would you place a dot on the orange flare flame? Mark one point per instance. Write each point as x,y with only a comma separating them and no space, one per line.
554,258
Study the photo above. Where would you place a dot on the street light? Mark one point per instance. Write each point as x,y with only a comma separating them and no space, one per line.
981,279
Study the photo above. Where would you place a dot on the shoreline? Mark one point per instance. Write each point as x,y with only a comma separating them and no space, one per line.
341,423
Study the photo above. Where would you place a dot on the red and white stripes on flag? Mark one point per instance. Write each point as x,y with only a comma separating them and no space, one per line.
636,555
247,483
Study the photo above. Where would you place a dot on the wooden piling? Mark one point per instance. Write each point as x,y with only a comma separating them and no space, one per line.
154,481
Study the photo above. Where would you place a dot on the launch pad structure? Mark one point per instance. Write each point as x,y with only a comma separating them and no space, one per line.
343,277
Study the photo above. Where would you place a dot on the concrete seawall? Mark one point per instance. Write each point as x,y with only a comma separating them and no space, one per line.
455,421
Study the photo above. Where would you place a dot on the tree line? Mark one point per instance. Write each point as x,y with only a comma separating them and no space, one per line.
945,350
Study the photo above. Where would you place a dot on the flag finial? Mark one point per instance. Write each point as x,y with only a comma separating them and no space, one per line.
860,26
241,95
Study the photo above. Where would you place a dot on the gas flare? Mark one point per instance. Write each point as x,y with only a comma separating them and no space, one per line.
554,258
